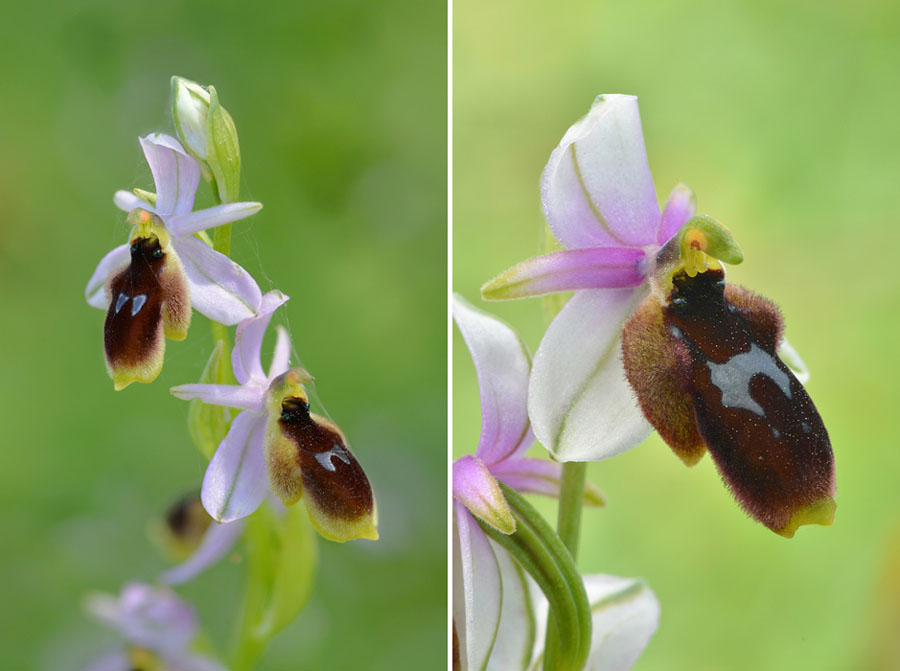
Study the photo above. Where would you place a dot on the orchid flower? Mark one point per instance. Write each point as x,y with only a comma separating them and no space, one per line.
158,627
275,442
486,581
699,360
149,285
191,535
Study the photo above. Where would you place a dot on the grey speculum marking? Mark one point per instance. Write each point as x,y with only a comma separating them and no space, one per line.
121,300
137,303
733,378
324,458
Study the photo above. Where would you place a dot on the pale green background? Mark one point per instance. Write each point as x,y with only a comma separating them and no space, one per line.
783,117
341,110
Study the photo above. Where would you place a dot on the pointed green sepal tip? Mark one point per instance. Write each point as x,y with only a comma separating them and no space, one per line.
223,153
593,496
821,512
704,234
503,287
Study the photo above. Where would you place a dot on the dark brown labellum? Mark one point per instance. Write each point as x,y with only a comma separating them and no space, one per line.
331,474
133,333
187,520
148,300
309,456
727,387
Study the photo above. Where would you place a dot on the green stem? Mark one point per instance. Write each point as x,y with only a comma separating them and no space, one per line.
571,502
222,244
568,526
249,644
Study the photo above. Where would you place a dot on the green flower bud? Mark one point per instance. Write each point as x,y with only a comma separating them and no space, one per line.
207,131
190,109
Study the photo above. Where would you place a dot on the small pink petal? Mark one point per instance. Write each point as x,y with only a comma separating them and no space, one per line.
569,270
534,476
680,206
476,488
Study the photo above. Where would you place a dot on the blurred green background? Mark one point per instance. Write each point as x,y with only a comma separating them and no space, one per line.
341,111
783,117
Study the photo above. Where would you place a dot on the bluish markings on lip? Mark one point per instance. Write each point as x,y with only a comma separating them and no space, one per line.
324,458
138,303
733,378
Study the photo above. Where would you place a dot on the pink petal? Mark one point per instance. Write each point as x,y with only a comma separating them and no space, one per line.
476,488
680,206
220,288
597,189
534,476
194,222
189,661
112,263
569,270
236,483
116,660
248,338
581,406
217,542
502,363
477,594
228,395
175,173
152,617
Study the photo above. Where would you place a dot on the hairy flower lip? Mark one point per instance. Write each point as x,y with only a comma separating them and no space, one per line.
703,362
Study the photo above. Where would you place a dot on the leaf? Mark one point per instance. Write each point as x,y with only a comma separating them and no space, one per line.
208,424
